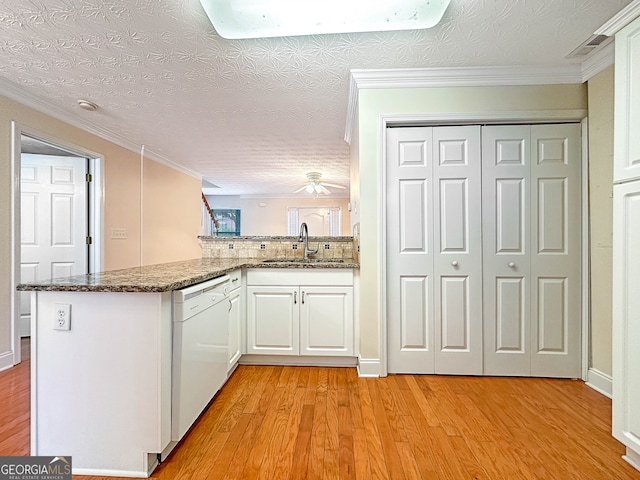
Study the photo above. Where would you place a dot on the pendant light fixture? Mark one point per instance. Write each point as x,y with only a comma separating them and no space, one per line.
236,19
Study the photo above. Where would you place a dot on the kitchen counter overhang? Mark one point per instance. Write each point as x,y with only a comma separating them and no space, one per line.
166,277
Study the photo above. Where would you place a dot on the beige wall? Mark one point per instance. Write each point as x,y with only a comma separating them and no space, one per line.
375,102
172,214
169,236
272,218
600,89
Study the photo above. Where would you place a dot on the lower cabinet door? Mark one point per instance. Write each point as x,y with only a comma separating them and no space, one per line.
272,320
326,321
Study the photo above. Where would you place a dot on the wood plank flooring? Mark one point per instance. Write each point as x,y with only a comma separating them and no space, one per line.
326,423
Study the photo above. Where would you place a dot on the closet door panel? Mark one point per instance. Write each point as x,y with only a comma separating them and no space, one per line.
556,340
409,230
457,250
506,239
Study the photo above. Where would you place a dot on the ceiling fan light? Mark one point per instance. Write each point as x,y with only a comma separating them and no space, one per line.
235,19
310,188
318,188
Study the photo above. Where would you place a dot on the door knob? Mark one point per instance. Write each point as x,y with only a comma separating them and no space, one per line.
454,263
511,264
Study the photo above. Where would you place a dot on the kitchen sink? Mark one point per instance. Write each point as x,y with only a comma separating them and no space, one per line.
303,260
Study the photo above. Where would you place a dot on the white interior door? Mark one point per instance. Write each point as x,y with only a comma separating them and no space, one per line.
483,250
531,214
317,219
409,250
53,222
506,199
458,250
555,258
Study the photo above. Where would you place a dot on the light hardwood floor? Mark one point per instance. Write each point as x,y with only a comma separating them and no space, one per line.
326,423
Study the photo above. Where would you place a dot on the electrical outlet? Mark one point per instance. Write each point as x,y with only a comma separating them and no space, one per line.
62,316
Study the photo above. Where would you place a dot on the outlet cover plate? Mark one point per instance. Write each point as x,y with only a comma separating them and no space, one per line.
62,316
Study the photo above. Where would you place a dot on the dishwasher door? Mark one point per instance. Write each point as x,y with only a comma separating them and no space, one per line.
200,350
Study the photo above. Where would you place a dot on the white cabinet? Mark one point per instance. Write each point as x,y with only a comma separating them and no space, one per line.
272,320
326,320
626,318
626,164
300,313
235,318
626,239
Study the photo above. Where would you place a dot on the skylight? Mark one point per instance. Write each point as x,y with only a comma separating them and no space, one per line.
236,19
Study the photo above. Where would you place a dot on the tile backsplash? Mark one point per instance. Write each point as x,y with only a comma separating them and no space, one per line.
277,247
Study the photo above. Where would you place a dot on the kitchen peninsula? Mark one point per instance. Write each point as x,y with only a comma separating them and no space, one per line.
102,390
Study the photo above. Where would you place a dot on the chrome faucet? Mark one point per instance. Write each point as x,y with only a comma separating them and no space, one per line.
304,236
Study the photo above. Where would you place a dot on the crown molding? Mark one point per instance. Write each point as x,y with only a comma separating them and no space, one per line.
456,77
20,95
602,58
623,18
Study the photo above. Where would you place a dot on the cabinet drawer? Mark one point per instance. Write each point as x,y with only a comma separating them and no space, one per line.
300,276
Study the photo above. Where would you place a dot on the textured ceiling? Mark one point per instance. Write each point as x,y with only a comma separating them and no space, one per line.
253,116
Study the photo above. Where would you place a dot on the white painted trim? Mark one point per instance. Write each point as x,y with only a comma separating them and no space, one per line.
110,473
600,382
467,76
295,361
462,118
585,258
602,58
446,118
18,94
383,353
6,360
455,77
34,375
96,217
14,296
632,458
369,367
620,20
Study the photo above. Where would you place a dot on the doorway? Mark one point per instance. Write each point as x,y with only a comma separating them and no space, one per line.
57,217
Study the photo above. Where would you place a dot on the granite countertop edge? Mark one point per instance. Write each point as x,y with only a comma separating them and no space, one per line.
166,277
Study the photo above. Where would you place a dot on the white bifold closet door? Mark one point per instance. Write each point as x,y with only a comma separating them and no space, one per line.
483,250
531,234
434,250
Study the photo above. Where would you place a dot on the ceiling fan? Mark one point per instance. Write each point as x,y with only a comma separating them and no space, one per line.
314,185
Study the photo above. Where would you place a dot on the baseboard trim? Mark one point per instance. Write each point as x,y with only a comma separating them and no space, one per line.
298,361
368,367
6,360
632,458
600,382
110,473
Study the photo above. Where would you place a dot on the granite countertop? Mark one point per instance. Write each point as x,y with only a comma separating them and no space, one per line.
165,277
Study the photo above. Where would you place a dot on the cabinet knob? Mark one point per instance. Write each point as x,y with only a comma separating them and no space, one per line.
454,263
302,300
511,264
295,297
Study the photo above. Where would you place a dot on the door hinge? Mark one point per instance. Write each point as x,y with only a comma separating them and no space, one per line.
88,177
89,240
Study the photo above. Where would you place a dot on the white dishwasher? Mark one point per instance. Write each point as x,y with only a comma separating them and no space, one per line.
200,350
